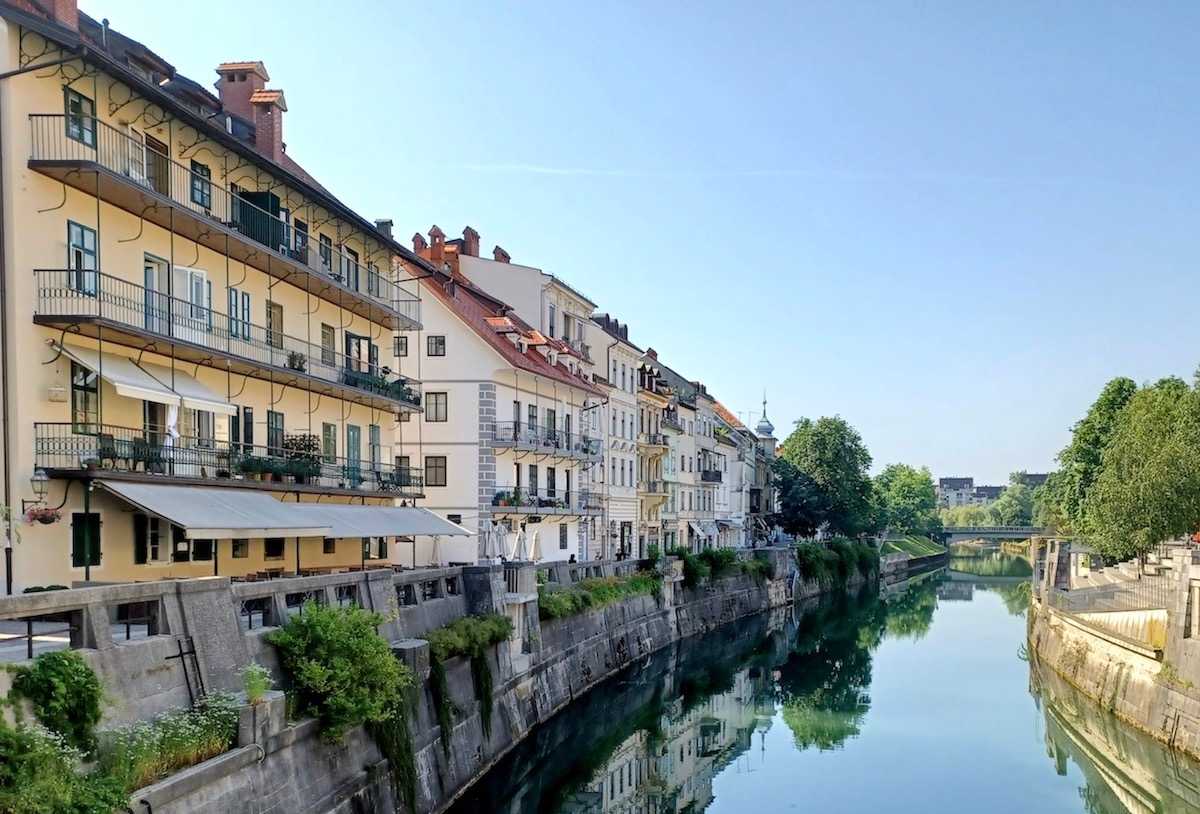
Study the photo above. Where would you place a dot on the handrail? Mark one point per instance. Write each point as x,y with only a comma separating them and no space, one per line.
66,446
60,137
85,292
522,433
543,501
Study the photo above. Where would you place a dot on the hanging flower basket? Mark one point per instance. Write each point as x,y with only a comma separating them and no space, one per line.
42,514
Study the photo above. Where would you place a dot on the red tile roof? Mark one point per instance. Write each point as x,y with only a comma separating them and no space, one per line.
729,418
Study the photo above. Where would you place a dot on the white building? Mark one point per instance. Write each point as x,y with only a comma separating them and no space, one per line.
503,436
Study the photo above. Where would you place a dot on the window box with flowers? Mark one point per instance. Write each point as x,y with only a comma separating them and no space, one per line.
42,514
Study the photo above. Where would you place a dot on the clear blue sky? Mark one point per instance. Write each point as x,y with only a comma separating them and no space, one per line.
950,222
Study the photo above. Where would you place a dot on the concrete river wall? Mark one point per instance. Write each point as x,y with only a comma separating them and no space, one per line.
195,636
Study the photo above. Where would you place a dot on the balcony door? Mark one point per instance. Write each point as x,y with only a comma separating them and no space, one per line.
353,455
156,299
191,306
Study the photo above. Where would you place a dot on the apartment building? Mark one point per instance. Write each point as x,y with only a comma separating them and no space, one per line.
763,500
617,359
193,327
733,496
654,410
507,433
955,491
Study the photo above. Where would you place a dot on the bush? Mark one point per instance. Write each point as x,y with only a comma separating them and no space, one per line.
37,776
695,570
720,561
342,672
256,681
811,560
759,569
145,752
65,694
594,593
867,557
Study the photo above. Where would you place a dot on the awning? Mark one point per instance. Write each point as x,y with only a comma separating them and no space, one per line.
127,378
347,520
148,382
726,523
699,532
219,513
710,528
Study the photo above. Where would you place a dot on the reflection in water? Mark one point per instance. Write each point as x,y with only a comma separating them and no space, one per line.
712,710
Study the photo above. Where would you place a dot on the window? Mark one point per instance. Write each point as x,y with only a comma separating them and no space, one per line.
274,324
81,118
403,464
350,267
400,346
181,548
328,343
532,414
374,445
373,285
551,481
274,432
551,321
85,399
435,407
247,428
147,539
435,470
329,443
329,546
273,548
455,518
201,185
533,479
202,550
301,230
562,536
81,258
240,549
435,346
85,539
325,248
239,313
206,429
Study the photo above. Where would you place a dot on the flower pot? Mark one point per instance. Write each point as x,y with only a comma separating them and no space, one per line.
45,521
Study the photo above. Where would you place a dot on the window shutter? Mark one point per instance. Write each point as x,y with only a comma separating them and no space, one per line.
140,533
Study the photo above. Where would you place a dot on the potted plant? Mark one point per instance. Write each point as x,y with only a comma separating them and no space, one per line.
297,361
303,454
42,514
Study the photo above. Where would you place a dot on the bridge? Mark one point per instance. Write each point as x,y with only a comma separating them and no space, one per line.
956,534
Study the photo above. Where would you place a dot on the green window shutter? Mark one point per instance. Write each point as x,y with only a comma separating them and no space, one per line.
141,525
79,522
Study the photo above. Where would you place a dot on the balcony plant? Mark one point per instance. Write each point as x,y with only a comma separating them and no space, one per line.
303,454
297,361
42,514
502,499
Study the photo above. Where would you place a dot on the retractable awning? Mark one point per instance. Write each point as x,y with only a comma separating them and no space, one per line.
347,520
699,532
148,382
218,513
710,528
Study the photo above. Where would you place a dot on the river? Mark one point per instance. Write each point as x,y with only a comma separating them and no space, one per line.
924,701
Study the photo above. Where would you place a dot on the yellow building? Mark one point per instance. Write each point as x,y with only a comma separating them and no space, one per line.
185,306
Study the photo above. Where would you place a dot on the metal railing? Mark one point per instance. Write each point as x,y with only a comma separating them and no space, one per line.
106,447
59,137
654,487
535,436
672,422
653,439
710,476
88,293
523,500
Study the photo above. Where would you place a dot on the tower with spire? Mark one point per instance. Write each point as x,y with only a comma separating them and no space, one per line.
765,428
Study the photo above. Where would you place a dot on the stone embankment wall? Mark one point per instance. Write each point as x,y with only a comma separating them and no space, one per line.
206,631
1152,682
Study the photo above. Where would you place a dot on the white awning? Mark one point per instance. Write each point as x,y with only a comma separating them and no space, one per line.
219,513
127,378
193,393
710,528
348,520
148,382
699,532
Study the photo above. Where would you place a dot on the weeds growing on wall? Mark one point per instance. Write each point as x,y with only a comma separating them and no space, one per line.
394,738
589,594
65,694
470,636
834,565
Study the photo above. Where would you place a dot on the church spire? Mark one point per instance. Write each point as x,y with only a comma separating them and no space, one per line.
765,428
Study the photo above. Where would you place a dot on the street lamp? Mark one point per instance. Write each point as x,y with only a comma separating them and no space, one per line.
40,482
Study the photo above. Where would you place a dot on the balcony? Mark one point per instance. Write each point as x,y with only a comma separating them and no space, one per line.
133,314
244,225
672,422
652,439
534,438
653,488
710,476
520,500
138,454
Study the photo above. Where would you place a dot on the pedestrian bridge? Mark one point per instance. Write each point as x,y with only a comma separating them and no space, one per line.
956,534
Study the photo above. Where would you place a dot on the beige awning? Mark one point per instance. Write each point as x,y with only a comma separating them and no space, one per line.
192,392
347,520
218,513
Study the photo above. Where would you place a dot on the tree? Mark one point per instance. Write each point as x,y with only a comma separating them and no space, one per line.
907,500
832,454
1148,486
803,506
966,516
1079,462
1014,507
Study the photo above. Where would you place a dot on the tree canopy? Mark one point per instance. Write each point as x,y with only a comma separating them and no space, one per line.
1080,461
831,454
906,500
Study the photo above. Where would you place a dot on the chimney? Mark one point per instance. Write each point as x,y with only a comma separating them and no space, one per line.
66,13
501,256
470,242
437,245
269,107
237,82
419,244
384,227
652,353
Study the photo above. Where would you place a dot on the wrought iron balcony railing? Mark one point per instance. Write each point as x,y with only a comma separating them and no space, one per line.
523,500
76,293
710,476
672,422
104,448
653,487
653,439
255,215
523,435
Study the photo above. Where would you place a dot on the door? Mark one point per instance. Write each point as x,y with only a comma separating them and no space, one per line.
191,305
135,155
350,268
158,167
156,302
353,456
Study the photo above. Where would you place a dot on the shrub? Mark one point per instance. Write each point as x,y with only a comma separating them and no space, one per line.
470,636
37,776
148,751
720,561
595,593
342,672
847,560
695,570
867,558
256,681
65,694
654,554
810,559
759,569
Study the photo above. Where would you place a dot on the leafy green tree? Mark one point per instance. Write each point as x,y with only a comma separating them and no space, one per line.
832,454
1079,462
966,516
907,500
1014,507
1048,510
803,506
1148,486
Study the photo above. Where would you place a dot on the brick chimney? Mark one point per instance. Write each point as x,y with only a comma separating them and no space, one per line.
269,107
437,245
652,353
66,13
237,82
501,256
470,244
419,244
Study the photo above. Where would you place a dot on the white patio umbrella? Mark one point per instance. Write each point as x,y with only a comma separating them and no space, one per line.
484,551
499,541
519,550
435,552
535,548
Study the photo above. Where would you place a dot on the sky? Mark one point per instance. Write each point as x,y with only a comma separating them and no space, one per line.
948,222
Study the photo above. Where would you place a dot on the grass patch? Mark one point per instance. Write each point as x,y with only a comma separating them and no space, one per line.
589,594
913,545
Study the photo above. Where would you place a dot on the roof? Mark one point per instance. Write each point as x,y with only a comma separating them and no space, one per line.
267,96
956,483
494,322
727,416
253,66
